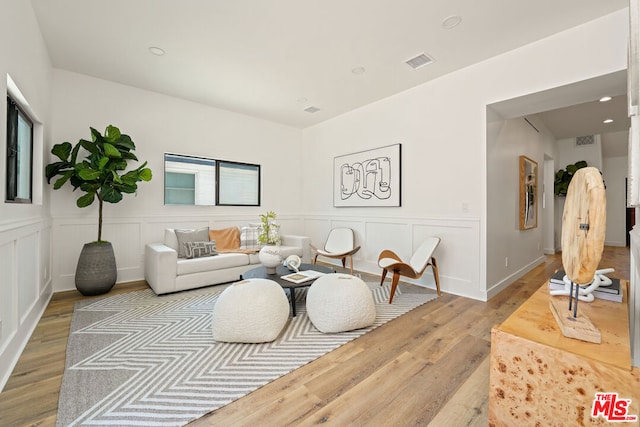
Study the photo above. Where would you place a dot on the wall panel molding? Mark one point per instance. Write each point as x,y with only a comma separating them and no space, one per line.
25,263
129,235
458,254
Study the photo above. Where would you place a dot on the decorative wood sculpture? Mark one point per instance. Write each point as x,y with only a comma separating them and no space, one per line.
583,232
584,225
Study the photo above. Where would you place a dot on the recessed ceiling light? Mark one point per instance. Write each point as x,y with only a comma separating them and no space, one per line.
451,22
605,99
358,70
607,121
312,109
419,61
156,50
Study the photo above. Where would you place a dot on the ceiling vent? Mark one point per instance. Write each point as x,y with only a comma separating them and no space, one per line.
312,109
585,140
419,61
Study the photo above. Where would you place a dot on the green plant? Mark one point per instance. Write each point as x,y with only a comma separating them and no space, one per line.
269,229
564,176
100,175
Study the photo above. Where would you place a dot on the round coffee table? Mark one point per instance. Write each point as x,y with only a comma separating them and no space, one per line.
281,270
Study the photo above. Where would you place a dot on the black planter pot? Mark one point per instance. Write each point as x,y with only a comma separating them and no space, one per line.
96,272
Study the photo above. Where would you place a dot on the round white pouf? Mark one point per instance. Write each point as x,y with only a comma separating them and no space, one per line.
340,302
250,311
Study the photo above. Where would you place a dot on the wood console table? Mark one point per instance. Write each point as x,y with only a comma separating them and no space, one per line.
540,377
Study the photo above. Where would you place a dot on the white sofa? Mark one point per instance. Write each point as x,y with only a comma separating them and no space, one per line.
167,273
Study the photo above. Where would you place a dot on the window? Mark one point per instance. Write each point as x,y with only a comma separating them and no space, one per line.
239,184
179,188
19,154
190,180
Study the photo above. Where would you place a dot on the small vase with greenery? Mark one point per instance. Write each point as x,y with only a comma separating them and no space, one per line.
101,176
564,176
268,235
269,229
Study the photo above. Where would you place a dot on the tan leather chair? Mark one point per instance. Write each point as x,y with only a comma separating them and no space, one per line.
421,259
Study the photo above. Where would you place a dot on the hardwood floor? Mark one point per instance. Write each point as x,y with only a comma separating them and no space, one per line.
430,366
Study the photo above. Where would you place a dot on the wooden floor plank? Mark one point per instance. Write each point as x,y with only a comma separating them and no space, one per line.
428,366
440,381
381,387
467,407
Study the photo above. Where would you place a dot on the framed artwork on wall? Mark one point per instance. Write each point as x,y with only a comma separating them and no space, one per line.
528,193
368,178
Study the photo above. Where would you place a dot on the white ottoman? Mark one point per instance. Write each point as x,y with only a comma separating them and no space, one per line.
250,311
340,302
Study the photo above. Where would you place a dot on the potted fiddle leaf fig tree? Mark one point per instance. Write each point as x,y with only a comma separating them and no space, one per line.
101,176
563,178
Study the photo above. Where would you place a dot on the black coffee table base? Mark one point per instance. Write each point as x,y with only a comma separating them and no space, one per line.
261,273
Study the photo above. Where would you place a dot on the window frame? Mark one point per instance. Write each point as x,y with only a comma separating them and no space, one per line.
12,162
219,181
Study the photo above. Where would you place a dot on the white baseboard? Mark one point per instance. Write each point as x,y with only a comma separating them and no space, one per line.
504,283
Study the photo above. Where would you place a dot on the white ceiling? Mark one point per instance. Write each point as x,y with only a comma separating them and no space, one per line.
588,119
273,58
575,110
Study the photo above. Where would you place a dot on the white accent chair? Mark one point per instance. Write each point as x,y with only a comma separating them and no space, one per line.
421,259
340,244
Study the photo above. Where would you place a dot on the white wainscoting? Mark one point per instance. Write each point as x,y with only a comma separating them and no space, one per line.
25,286
129,237
458,254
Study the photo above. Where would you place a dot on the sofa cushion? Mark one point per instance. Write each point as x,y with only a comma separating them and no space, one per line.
227,239
254,258
170,239
249,237
218,262
199,249
184,236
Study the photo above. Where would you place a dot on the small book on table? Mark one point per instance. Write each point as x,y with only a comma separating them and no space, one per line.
302,276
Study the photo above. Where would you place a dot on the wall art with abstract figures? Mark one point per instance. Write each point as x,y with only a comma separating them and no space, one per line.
367,178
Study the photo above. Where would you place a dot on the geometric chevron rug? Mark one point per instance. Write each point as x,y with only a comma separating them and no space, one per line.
137,359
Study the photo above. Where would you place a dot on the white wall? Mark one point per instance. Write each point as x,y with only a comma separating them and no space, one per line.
25,234
442,128
159,124
549,202
614,172
511,252
570,153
